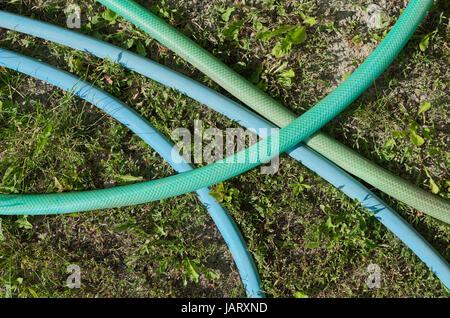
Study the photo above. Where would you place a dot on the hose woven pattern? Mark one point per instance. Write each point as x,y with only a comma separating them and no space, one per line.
279,115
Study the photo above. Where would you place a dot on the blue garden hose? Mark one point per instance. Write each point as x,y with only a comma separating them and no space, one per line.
246,118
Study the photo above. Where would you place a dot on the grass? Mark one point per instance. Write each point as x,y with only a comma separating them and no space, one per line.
307,238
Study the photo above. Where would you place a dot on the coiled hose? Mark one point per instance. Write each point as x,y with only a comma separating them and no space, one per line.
273,111
236,112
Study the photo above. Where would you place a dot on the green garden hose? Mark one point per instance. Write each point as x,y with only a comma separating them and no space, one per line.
273,111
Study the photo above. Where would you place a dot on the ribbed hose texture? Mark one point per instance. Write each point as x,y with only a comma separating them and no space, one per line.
353,87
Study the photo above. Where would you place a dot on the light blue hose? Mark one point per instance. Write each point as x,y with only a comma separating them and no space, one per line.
244,117
145,130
